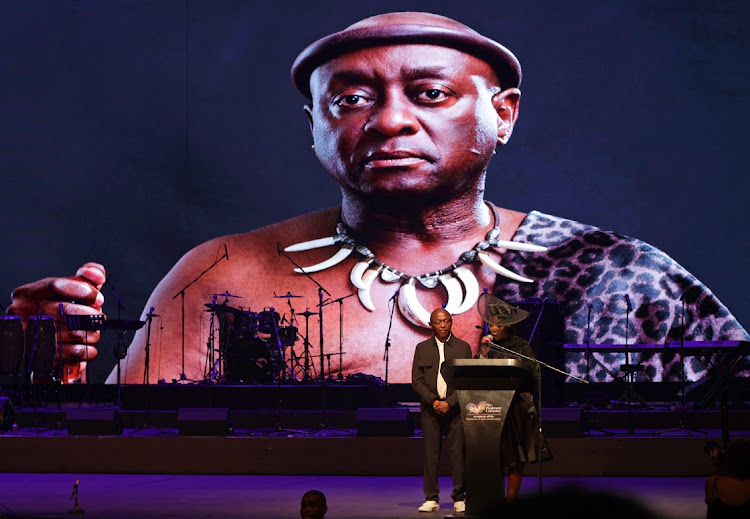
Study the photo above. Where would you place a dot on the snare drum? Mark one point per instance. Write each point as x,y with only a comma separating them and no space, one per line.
11,344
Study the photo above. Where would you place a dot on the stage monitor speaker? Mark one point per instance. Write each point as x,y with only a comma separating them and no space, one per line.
562,422
199,421
94,421
384,421
6,413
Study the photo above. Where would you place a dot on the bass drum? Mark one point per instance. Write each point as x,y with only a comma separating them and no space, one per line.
248,361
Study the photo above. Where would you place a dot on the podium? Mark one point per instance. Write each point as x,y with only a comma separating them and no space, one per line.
485,390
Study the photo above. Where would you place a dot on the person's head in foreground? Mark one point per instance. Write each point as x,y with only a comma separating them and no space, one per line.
313,505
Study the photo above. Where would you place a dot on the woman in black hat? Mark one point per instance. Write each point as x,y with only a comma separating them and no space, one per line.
519,444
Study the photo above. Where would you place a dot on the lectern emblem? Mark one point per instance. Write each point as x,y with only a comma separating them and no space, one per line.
476,408
483,411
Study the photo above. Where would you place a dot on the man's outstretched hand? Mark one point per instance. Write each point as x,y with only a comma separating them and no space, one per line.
80,295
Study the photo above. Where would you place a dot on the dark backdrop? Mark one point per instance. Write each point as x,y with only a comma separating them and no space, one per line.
130,131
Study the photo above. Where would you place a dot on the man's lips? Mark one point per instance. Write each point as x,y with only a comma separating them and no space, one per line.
394,159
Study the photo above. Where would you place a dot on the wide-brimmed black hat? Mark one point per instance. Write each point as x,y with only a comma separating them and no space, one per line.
406,27
497,312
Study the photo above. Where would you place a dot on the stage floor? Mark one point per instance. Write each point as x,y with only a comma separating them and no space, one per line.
108,496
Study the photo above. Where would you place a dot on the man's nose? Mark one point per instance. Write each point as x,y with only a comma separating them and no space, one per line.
392,115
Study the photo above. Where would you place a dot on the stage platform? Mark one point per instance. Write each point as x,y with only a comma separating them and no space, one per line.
284,430
165,496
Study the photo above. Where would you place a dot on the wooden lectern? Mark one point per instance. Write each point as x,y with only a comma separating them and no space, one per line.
486,390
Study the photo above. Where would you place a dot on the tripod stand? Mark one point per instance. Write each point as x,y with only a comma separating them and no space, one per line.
323,418
589,357
683,414
278,371
306,363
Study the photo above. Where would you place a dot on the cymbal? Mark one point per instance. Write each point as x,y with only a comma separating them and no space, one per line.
222,308
307,313
287,295
226,294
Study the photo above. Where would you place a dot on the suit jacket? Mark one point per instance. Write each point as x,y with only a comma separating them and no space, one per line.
425,369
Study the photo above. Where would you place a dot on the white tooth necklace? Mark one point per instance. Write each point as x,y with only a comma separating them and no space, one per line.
452,277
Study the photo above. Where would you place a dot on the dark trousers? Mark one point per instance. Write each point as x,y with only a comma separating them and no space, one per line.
433,427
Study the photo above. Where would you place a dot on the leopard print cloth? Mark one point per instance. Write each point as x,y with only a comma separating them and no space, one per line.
586,265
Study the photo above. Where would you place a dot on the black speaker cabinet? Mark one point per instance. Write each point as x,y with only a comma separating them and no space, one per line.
199,421
94,421
564,422
11,344
385,421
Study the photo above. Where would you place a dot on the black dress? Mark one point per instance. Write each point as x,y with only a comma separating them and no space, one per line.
520,441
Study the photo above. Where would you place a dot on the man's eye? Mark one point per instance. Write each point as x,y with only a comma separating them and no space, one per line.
432,94
350,100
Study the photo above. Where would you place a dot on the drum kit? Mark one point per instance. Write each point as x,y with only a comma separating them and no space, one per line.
257,347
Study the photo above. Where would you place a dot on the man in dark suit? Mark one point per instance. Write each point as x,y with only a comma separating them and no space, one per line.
439,406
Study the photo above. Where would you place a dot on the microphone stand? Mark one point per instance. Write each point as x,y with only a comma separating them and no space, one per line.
588,345
340,301
538,363
392,303
60,372
212,366
539,392
278,371
146,376
629,371
181,293
324,420
683,414
33,395
120,347
629,374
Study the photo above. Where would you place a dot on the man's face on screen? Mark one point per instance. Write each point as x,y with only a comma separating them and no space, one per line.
405,119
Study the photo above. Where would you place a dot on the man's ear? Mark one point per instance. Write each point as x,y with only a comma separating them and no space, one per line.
308,111
506,105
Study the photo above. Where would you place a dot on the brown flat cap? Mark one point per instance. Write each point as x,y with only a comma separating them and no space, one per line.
406,27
